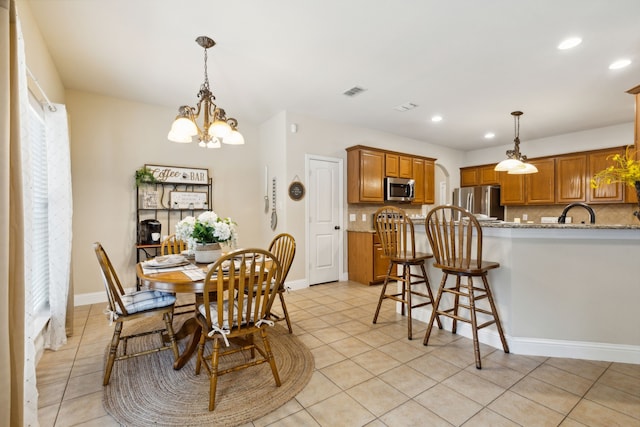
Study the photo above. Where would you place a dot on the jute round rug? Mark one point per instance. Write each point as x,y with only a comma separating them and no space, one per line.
146,391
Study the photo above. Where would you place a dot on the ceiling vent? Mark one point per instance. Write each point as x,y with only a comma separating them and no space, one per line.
405,107
353,91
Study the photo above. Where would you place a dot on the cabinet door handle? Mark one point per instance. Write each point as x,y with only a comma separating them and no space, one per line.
337,227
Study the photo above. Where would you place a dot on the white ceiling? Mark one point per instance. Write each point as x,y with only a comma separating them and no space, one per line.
473,62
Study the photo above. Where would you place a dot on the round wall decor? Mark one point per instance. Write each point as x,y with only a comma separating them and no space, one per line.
296,190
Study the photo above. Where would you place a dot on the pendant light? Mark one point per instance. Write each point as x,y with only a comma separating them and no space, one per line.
216,127
515,163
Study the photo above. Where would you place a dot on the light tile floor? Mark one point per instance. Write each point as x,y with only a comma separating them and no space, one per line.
372,375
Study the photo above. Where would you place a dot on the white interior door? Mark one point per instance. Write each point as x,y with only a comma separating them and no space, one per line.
324,176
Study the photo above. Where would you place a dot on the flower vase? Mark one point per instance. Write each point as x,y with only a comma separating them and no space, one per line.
207,252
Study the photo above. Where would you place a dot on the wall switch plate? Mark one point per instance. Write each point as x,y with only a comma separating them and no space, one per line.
525,217
352,217
364,217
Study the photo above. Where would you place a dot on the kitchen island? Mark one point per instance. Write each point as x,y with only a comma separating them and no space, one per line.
562,290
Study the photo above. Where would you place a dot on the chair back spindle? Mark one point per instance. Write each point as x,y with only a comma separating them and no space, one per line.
455,243
172,245
395,232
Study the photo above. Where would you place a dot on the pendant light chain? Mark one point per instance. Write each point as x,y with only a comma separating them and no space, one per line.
206,75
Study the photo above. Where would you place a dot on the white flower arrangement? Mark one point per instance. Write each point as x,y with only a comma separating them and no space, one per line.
208,227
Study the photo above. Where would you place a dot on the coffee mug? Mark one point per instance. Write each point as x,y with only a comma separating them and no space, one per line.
155,236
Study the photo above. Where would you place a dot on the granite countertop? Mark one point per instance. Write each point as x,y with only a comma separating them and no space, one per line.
501,224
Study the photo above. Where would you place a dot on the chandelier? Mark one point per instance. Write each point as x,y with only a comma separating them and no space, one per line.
215,127
516,163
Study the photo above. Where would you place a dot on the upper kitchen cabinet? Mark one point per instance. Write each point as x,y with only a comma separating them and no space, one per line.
530,189
419,178
429,181
367,167
606,193
570,178
398,165
479,175
512,191
424,176
630,194
469,176
539,187
365,175
636,93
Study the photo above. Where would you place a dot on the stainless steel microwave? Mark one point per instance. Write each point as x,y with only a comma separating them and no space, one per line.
399,189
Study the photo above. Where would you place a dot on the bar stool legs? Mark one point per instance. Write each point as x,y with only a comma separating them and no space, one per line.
471,293
404,296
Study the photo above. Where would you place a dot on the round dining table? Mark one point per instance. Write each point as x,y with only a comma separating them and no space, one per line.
177,282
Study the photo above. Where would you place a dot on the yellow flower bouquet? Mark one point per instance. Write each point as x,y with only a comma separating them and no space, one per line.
626,169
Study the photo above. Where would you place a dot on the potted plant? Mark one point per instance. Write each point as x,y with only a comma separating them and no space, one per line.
205,233
626,169
144,175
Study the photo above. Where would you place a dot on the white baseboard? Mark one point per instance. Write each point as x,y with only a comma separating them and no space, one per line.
622,353
294,285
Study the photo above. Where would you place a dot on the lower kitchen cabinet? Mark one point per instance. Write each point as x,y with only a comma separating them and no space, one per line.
367,263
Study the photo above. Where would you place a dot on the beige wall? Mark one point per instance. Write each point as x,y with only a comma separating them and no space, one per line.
110,139
38,59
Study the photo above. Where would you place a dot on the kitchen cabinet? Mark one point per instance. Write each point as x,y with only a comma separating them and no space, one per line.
571,171
367,167
398,165
469,176
566,182
424,176
512,191
630,192
419,178
479,175
367,263
429,182
606,193
365,175
540,187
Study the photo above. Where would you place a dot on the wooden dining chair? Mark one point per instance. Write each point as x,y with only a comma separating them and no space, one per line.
172,245
283,246
239,290
455,237
125,307
397,238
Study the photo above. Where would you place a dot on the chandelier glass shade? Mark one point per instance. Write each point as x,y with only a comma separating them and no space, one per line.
216,127
516,163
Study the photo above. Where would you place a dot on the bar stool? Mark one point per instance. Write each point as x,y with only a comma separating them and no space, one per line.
455,237
396,234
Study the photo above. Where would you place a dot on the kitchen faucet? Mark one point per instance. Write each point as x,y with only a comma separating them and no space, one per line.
563,215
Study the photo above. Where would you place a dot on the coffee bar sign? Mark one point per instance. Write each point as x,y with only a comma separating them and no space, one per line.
179,175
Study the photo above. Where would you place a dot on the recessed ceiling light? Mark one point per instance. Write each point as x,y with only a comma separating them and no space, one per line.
569,43
436,118
489,135
621,63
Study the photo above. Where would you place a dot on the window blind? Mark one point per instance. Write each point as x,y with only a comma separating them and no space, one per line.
40,203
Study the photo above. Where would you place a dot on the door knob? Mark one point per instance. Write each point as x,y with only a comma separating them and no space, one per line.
337,227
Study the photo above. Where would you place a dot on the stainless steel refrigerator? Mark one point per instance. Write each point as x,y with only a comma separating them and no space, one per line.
483,200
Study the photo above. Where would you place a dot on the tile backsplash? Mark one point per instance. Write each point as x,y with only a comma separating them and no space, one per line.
360,209
605,214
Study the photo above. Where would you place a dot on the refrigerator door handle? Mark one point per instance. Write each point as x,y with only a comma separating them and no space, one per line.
469,206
